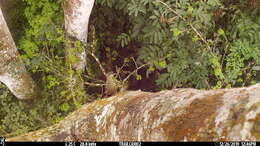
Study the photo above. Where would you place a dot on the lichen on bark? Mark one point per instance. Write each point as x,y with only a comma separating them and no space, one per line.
76,15
174,115
12,70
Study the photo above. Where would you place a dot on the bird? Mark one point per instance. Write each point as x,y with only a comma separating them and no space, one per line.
111,85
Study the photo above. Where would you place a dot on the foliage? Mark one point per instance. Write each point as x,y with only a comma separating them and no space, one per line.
244,49
201,44
41,46
16,117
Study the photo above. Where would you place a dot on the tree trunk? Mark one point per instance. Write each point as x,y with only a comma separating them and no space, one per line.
176,115
76,13
12,70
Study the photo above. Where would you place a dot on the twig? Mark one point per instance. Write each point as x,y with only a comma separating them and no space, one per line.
91,78
247,74
192,27
118,70
94,84
134,62
97,60
125,79
94,56
223,57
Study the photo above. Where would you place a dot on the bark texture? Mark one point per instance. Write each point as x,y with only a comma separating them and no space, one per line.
12,70
76,15
175,115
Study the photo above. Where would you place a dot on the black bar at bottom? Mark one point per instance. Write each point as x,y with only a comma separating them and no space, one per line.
234,143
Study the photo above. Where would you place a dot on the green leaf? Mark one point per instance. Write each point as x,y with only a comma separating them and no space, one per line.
138,77
78,44
151,68
195,38
126,60
221,32
64,107
190,10
162,64
176,32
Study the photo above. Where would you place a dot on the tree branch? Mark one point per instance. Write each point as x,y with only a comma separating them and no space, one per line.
172,115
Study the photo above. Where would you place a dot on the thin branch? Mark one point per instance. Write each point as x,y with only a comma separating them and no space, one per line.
118,70
249,66
192,27
134,62
125,79
94,84
223,57
94,56
97,60
91,78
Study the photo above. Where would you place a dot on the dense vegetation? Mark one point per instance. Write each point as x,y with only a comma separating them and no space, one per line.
204,44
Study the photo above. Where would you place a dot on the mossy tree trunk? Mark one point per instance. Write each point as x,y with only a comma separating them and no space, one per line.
76,14
12,70
173,115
